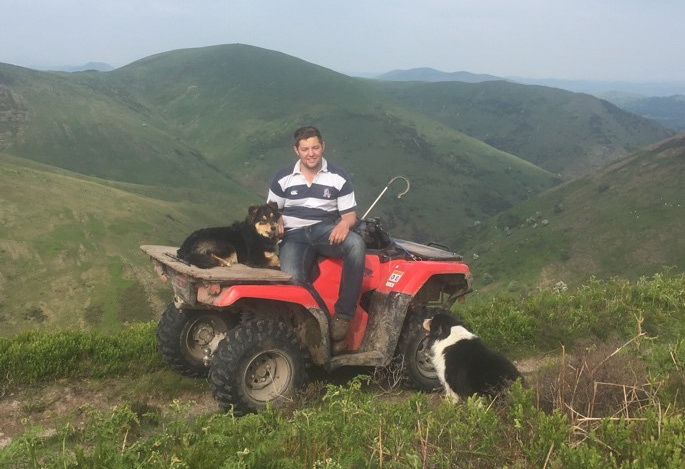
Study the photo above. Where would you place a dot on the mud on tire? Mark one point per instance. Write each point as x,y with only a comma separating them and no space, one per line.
258,362
183,335
412,352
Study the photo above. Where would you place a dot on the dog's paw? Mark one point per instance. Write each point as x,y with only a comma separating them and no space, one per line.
227,262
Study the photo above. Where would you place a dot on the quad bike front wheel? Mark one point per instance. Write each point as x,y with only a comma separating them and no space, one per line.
258,362
413,353
182,337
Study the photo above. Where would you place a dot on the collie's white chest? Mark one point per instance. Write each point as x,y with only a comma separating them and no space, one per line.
438,348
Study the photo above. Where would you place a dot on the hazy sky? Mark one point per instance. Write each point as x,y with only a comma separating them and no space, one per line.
627,40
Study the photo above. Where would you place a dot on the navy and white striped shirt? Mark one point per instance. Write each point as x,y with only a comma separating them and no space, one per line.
328,197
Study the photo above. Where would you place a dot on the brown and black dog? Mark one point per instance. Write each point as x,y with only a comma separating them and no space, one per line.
251,241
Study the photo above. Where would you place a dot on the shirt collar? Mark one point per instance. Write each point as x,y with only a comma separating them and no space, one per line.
324,166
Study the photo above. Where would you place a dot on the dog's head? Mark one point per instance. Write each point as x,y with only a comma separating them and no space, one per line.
439,326
264,219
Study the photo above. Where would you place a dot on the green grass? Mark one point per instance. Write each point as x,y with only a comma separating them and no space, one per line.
598,310
37,357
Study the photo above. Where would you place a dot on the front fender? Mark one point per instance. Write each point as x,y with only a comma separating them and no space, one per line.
409,277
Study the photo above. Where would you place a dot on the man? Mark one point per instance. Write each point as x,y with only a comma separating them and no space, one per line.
318,206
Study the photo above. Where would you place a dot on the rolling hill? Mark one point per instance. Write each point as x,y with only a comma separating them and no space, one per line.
215,117
563,132
69,252
627,220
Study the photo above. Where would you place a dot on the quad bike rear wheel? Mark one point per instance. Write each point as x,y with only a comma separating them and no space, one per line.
183,335
413,353
258,362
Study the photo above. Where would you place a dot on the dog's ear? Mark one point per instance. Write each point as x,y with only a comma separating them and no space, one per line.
277,211
252,211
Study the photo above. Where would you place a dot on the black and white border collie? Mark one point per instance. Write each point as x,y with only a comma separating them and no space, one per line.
464,365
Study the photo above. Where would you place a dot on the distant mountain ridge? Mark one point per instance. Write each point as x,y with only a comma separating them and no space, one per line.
669,111
597,87
658,101
563,132
97,66
432,75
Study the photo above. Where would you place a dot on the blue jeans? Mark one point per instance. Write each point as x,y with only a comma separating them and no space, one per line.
299,248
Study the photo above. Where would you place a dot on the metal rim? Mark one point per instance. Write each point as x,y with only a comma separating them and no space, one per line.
423,361
199,333
268,375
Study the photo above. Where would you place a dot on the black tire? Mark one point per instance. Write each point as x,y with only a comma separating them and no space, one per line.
258,362
183,335
412,352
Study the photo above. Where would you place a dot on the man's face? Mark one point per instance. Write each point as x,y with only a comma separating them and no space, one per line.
310,152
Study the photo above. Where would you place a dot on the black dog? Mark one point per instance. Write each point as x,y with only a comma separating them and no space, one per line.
465,366
251,241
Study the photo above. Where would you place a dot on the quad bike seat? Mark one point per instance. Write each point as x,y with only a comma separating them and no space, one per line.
378,240
426,252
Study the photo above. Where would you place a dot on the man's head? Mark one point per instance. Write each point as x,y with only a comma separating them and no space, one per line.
309,147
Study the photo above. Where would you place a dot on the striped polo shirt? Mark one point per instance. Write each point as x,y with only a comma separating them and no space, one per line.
329,196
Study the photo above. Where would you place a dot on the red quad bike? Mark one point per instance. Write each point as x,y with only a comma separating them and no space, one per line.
255,334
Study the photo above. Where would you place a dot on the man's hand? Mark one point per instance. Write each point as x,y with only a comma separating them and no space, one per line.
340,231
279,228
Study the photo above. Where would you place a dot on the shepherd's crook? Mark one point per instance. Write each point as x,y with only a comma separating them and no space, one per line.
386,188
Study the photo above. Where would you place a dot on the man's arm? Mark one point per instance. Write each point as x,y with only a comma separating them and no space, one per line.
340,231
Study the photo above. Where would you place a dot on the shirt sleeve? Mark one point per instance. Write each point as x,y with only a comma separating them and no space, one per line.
276,193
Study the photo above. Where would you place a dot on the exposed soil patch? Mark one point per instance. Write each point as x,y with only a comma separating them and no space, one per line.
53,405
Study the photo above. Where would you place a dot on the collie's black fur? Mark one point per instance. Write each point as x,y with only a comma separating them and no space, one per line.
251,241
464,364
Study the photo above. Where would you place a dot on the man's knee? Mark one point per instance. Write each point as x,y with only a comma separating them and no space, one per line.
355,245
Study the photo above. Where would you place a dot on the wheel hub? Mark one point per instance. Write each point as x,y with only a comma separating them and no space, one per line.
423,361
203,334
267,376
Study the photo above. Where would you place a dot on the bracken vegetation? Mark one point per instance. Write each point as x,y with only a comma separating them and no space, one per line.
605,391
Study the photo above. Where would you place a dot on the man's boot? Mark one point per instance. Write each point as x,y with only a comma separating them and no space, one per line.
339,328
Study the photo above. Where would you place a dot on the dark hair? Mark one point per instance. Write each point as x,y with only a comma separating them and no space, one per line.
303,133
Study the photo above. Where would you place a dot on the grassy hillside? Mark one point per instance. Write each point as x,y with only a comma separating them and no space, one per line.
257,97
52,118
218,116
69,252
627,219
563,132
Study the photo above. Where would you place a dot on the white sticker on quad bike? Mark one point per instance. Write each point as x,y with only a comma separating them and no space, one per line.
395,277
